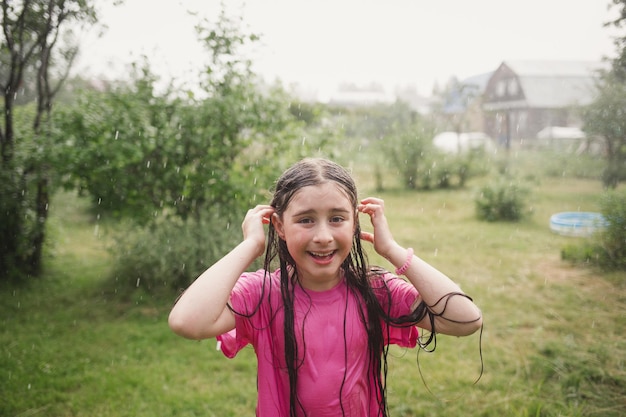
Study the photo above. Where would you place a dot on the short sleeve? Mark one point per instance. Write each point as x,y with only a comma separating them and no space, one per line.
402,295
244,301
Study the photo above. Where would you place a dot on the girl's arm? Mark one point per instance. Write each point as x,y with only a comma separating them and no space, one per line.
461,316
201,311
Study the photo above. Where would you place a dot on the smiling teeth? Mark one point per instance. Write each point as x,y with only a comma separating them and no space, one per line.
321,254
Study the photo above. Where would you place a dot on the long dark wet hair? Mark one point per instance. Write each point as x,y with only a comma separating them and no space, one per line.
358,277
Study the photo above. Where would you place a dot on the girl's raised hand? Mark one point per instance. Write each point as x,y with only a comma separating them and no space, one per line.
381,238
252,225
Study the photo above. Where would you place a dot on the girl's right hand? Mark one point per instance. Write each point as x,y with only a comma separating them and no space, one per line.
252,225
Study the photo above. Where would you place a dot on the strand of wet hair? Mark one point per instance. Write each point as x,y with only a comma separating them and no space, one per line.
482,367
432,337
378,352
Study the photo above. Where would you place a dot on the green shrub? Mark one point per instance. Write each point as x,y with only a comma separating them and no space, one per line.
607,248
170,254
441,171
585,253
613,237
501,201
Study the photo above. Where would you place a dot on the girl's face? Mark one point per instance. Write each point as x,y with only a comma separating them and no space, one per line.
318,226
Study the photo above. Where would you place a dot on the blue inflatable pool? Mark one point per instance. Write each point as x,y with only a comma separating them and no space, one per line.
577,223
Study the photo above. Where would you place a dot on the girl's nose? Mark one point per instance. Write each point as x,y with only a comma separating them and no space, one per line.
323,234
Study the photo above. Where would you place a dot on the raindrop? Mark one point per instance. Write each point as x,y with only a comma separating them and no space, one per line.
137,285
436,251
148,164
303,140
117,134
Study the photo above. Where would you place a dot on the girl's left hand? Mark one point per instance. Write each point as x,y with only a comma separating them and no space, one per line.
381,238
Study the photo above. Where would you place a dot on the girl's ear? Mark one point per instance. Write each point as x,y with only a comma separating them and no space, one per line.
278,226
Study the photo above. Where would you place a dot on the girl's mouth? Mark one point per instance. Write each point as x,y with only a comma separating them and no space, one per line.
322,256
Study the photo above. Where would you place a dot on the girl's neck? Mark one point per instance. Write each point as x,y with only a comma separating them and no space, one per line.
319,284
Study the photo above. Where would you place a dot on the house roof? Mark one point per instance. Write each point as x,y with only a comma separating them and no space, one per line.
554,68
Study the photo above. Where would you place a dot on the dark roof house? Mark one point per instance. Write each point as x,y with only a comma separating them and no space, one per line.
523,97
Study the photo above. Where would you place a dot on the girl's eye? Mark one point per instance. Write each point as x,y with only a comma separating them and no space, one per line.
305,221
336,219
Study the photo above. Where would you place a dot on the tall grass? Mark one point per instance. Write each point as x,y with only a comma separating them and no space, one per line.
553,345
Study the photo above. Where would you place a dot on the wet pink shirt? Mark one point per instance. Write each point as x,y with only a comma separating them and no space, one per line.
335,341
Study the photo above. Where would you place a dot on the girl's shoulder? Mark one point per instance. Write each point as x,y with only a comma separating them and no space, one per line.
255,284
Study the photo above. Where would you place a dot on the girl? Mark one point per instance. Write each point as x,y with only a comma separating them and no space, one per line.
320,323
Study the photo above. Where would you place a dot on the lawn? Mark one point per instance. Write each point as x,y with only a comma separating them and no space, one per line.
75,344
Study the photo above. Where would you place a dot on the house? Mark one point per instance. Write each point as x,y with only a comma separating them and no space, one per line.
522,98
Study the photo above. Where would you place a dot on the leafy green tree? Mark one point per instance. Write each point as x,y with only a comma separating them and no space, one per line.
619,62
182,165
34,62
143,155
606,119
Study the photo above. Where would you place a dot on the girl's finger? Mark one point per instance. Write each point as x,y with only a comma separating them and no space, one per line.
373,200
367,236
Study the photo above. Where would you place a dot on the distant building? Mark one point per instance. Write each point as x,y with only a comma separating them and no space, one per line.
360,98
462,104
522,98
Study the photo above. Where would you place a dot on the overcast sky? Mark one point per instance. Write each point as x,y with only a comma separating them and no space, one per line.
321,43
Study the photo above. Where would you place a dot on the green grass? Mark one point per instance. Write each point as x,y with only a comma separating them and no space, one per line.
73,344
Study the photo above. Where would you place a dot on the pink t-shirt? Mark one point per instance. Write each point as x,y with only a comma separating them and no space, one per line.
335,341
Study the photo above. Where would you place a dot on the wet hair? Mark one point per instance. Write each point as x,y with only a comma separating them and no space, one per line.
358,277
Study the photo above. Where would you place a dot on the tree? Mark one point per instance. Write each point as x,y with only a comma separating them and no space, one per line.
619,62
606,116
178,165
32,46
606,119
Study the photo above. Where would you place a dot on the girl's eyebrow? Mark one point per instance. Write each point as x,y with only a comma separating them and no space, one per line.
308,212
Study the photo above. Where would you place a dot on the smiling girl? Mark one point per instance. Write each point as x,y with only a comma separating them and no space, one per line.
321,322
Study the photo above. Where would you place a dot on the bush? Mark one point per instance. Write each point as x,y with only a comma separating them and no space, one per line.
171,254
607,249
585,253
455,170
613,237
501,201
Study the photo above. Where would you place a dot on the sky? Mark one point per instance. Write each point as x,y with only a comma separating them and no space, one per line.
319,44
